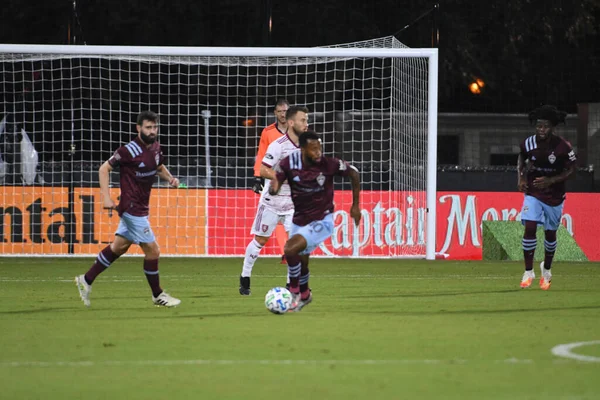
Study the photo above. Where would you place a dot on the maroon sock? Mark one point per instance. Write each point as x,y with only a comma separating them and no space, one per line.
529,244
151,271
293,262
304,277
550,248
103,261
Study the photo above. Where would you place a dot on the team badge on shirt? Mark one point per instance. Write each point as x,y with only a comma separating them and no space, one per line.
552,158
321,179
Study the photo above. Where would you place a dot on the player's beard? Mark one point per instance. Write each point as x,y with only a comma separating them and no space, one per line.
147,138
546,137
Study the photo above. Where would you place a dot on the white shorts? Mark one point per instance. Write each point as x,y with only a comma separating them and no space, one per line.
135,229
267,219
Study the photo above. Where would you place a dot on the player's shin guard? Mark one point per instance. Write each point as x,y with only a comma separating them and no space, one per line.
252,251
103,261
304,289
550,247
529,244
294,274
151,271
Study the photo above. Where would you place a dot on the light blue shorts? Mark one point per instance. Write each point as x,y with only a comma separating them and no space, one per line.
315,233
135,229
542,213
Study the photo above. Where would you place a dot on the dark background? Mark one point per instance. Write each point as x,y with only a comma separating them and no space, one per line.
528,52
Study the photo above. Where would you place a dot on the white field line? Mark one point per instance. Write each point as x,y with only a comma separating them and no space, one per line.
566,350
52,364
140,277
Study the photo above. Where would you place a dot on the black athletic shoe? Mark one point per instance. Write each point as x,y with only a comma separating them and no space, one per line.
245,285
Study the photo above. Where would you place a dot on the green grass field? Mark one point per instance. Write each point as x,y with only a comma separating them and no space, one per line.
377,329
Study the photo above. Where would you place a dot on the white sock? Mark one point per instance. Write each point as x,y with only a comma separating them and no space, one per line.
252,252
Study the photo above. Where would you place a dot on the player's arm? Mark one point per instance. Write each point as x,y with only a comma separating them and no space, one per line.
164,174
339,167
521,173
281,171
569,169
258,181
104,178
266,172
566,174
355,182
271,157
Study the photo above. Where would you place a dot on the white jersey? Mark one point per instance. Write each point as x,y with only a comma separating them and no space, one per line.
277,151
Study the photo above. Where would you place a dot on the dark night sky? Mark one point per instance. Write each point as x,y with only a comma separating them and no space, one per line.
525,56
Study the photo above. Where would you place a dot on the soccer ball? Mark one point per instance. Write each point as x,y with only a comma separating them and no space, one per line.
278,300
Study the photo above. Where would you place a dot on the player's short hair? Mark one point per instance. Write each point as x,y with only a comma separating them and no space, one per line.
147,116
308,135
549,113
293,110
281,102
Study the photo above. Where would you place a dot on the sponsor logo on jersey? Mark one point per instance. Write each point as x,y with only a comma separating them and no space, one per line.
144,174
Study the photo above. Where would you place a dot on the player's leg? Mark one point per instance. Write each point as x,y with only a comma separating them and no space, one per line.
151,257
292,249
105,258
281,234
286,221
140,232
264,224
551,224
305,292
531,216
305,239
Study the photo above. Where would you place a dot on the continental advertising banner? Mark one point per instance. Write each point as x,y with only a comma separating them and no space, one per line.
217,222
38,220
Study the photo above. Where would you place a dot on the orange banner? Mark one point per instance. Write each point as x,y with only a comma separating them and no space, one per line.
39,220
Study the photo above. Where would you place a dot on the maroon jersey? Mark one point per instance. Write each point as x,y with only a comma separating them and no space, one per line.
138,167
547,159
312,185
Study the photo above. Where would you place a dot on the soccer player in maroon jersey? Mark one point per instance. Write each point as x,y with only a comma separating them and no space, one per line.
550,162
139,161
310,176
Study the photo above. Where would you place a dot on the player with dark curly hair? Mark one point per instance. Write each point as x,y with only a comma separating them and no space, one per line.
546,161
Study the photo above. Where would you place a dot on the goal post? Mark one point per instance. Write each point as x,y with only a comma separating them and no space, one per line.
65,109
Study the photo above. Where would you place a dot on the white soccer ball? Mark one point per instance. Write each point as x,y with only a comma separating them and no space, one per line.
278,300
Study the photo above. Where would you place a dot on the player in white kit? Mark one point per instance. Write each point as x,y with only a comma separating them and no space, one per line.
273,209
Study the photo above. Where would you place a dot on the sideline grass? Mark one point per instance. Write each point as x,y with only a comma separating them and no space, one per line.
377,329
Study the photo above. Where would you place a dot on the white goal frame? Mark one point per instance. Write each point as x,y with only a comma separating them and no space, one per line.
432,86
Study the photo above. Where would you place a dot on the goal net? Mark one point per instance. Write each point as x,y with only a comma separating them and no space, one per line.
66,109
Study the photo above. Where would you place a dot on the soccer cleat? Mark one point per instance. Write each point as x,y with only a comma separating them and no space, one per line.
84,289
528,278
546,278
166,300
298,303
245,286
